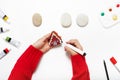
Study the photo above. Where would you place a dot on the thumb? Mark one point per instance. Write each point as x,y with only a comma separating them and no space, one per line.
46,37
70,51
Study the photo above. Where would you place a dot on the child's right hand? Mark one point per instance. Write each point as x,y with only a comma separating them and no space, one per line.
76,44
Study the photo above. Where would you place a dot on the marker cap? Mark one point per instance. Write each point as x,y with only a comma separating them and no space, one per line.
2,30
6,19
8,39
112,59
6,50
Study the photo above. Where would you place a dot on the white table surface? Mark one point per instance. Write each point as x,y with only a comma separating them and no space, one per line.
98,42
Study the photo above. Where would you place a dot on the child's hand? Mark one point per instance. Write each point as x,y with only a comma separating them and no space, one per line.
76,44
42,43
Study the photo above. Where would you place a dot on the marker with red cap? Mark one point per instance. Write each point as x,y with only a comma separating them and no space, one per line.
114,62
4,52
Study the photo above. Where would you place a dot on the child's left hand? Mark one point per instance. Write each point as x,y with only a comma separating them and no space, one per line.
43,44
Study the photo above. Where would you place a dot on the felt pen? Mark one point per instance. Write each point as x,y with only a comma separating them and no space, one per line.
4,16
114,62
13,42
106,71
4,52
2,30
75,49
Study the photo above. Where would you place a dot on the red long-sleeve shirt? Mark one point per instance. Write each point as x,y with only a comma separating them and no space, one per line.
28,62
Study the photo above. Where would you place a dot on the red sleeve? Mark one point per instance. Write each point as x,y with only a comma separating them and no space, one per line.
79,67
26,64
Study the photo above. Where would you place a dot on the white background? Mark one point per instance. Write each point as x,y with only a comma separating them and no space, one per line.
98,42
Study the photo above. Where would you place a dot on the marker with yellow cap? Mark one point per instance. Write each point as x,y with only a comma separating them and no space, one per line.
4,16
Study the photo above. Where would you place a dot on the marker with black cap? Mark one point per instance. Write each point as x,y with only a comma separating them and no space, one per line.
106,71
75,49
3,30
